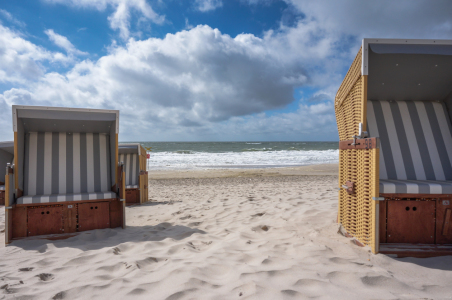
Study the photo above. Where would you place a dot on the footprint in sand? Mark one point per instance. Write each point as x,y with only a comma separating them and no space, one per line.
45,276
194,224
26,269
259,228
59,296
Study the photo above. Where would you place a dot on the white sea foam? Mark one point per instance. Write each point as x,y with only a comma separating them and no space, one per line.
251,159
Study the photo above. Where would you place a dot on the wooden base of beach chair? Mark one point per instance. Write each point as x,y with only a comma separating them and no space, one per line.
66,217
132,196
415,219
2,197
415,250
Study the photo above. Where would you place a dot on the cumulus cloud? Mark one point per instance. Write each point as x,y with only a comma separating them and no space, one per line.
120,19
208,5
378,19
63,42
21,60
188,79
203,84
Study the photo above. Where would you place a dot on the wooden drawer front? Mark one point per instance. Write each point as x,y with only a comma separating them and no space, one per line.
93,216
411,222
443,221
132,196
45,220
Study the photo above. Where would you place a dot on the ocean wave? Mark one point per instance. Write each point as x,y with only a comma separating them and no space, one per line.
184,152
255,149
205,160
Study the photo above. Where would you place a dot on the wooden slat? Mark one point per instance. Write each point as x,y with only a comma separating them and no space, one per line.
382,221
93,216
44,220
70,217
443,221
116,214
367,143
18,223
446,224
411,222
132,196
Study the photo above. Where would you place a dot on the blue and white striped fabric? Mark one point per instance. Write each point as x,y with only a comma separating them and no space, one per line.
58,165
131,169
66,197
415,187
415,148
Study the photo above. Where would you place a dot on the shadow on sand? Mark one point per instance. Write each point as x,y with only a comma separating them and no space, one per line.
440,262
107,238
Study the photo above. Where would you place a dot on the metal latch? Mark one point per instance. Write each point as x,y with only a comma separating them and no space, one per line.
362,134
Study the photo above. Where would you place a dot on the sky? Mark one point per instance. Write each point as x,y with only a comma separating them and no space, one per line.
199,70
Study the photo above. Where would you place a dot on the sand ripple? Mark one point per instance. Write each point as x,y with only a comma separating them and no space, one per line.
224,238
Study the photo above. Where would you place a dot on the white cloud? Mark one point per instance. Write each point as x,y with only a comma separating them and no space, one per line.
208,5
192,79
204,85
63,42
8,16
379,19
188,26
120,19
21,60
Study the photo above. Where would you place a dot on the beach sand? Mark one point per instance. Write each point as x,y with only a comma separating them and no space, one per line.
221,234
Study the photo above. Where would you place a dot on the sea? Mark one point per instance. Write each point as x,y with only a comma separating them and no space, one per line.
230,155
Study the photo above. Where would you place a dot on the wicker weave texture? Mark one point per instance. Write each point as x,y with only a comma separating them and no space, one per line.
350,79
357,212
349,114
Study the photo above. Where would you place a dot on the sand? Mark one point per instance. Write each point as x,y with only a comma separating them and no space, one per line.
254,234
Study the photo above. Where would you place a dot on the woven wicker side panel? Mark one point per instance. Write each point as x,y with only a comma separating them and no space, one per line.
356,212
349,114
349,81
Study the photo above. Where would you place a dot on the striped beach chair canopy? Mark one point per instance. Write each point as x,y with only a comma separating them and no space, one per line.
129,155
409,103
68,154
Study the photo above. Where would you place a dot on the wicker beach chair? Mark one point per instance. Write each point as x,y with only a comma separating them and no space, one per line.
65,177
6,157
393,112
133,157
